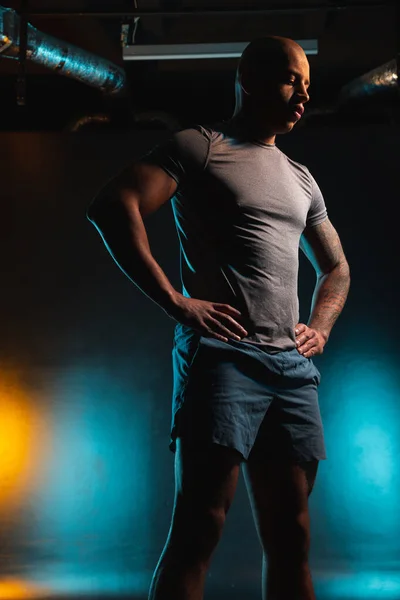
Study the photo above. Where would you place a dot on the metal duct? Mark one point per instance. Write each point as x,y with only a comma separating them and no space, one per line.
149,120
379,80
59,56
87,121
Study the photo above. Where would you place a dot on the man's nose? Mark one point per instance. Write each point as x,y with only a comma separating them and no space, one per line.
304,94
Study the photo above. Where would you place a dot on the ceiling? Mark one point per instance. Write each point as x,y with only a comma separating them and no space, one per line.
353,39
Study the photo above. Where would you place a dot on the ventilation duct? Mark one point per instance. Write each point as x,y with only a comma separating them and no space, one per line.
149,120
372,97
379,81
59,56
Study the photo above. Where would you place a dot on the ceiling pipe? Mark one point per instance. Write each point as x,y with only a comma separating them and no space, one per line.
380,80
59,56
147,120
374,95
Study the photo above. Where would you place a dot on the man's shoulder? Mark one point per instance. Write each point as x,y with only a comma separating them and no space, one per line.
208,131
196,140
296,165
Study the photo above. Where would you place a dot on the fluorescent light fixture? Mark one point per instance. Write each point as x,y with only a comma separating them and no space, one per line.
192,51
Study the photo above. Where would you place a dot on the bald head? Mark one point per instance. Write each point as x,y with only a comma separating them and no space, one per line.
267,55
272,79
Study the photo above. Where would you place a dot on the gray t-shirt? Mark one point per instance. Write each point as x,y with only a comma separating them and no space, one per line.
240,209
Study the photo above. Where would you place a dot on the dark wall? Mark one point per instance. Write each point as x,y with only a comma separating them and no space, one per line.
86,374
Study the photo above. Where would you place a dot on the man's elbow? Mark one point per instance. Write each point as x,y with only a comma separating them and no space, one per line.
340,268
344,268
342,271
101,204
91,211
95,212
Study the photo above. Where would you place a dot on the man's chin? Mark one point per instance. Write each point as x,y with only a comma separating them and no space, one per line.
286,127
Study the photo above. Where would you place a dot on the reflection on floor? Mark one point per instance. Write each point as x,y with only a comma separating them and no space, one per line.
328,585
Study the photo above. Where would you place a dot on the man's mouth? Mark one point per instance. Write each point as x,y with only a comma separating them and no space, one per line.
297,111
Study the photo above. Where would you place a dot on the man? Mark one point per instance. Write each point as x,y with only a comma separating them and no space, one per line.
245,387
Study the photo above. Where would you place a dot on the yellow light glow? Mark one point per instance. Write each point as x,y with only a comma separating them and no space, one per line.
16,589
22,440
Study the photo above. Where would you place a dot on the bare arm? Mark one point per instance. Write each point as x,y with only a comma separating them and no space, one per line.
322,246
117,213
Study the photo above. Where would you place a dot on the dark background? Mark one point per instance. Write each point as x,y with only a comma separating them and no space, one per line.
353,38
86,361
86,477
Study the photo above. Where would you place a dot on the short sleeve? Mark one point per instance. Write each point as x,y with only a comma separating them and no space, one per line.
317,212
183,155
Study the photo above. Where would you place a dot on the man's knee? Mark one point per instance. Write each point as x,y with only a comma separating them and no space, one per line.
289,541
195,533
209,526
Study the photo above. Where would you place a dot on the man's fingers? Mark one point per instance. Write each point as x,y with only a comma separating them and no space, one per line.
217,328
227,309
308,342
300,328
313,352
309,354
218,337
306,347
302,339
311,348
231,324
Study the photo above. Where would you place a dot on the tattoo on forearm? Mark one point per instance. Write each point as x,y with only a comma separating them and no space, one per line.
322,246
330,297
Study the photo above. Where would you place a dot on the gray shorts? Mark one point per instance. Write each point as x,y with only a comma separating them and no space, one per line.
237,395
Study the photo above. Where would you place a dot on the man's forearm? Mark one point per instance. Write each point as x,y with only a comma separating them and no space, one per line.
329,299
125,237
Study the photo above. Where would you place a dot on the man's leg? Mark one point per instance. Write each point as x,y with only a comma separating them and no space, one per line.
205,484
279,492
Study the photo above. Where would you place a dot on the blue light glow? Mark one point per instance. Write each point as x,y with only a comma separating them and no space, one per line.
375,460
360,483
78,584
92,510
363,586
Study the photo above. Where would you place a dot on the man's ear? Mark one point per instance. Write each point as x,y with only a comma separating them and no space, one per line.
243,80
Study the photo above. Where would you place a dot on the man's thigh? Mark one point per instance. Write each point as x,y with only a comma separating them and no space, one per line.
205,477
279,489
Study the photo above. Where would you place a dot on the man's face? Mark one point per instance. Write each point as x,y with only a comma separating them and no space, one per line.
279,98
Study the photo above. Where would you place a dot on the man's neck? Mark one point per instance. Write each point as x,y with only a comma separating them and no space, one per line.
250,127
